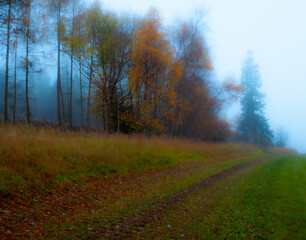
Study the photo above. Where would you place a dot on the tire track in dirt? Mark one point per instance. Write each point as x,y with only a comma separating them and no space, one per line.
24,216
127,227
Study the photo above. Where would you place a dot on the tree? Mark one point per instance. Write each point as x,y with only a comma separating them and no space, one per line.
253,127
90,37
195,108
72,43
57,7
15,46
32,33
281,137
8,17
79,45
151,75
136,73
29,37
8,4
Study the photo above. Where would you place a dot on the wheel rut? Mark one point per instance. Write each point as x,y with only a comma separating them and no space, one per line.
126,228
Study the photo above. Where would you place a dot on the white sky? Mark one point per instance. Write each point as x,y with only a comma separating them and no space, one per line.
275,30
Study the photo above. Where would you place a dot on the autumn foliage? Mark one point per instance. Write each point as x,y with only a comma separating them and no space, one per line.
154,74
124,73
158,82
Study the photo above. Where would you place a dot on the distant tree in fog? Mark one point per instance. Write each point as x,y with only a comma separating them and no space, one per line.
281,137
28,33
253,127
9,14
6,15
72,43
57,7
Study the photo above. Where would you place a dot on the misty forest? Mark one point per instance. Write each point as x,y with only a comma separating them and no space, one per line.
80,66
116,126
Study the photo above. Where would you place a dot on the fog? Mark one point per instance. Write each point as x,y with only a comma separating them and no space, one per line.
274,30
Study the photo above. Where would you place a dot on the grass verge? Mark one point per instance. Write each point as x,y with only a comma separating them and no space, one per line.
44,157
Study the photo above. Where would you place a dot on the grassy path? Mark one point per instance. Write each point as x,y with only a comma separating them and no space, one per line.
266,201
157,211
98,206
200,199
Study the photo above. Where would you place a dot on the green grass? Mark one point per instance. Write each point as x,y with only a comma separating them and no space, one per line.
45,157
137,201
266,202
81,172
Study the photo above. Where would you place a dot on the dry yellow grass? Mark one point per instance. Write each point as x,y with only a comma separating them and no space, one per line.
40,156
283,150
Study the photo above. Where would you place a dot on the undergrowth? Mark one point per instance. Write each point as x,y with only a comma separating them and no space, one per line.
43,157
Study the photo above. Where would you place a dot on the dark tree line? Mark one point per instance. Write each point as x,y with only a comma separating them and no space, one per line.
118,73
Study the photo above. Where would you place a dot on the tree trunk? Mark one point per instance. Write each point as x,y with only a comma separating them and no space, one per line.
15,83
118,115
89,92
71,85
71,70
58,86
7,64
81,95
27,67
106,117
120,96
63,106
